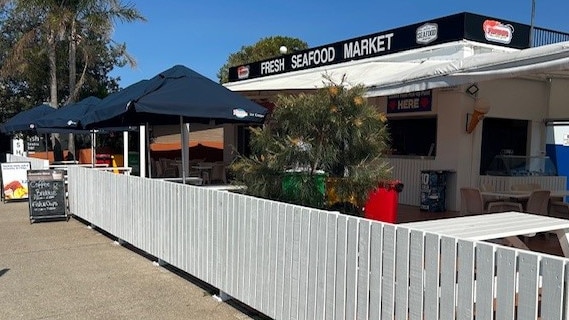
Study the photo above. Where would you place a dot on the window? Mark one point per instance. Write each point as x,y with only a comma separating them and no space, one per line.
502,134
413,136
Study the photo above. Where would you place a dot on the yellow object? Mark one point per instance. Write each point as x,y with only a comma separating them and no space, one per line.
114,165
332,197
20,193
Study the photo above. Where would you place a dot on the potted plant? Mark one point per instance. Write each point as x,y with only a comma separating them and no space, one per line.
323,149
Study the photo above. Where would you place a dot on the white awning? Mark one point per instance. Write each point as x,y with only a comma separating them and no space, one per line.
542,62
386,78
357,72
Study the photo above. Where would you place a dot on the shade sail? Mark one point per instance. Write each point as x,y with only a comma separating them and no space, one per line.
24,120
393,77
174,93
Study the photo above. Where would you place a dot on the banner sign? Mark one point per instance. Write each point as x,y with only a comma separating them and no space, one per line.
443,30
15,180
418,101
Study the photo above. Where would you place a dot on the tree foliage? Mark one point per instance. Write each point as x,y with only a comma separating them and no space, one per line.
333,130
264,49
34,30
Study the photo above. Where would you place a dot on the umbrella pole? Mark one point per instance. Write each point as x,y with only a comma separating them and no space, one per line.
184,128
93,148
144,151
125,149
46,148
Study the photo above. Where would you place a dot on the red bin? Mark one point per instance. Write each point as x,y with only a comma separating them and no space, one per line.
382,202
104,159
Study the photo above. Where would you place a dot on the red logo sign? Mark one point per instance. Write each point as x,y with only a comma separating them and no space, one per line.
243,72
496,31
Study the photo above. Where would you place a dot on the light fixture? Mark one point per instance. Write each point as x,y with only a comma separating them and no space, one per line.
473,89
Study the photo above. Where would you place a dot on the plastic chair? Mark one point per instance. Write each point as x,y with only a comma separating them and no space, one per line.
538,202
218,172
559,209
489,188
473,203
159,169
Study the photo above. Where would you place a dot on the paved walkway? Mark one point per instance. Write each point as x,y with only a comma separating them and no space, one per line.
64,270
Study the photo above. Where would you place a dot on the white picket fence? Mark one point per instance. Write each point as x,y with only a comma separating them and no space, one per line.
292,262
505,183
36,164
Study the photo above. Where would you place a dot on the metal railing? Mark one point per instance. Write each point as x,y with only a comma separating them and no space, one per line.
293,262
542,37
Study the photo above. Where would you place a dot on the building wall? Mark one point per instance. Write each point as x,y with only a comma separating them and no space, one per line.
559,101
460,152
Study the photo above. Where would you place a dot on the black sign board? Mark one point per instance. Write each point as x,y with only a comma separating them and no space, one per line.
46,197
35,143
410,102
433,32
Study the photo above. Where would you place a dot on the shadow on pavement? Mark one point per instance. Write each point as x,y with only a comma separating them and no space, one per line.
208,289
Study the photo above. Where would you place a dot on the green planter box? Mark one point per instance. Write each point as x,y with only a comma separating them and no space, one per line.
305,189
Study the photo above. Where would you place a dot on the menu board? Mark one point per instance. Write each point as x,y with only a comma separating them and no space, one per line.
46,194
14,180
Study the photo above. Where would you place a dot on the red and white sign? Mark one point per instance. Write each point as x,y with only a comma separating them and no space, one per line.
243,72
496,31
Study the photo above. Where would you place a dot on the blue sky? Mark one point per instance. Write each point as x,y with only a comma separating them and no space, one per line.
202,34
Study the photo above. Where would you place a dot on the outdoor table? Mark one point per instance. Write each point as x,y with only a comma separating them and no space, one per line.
225,187
521,195
187,180
507,225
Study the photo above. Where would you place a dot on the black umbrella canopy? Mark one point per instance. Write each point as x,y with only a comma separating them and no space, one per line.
178,91
67,117
24,120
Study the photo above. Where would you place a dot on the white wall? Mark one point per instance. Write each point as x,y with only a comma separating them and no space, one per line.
559,99
459,151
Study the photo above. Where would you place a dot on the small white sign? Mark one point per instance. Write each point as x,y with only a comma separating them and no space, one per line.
427,33
566,140
18,147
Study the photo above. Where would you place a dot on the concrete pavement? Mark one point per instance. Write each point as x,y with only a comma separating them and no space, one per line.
65,270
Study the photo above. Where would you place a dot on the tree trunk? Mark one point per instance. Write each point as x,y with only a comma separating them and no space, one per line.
72,82
52,48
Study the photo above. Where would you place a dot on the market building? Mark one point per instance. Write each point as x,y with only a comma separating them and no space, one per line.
465,94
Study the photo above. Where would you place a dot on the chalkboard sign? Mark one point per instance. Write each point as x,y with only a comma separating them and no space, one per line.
46,194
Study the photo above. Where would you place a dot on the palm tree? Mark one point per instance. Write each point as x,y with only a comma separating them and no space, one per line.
92,16
73,22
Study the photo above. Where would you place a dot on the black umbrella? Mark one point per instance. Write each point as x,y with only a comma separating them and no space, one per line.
177,95
176,92
24,120
67,117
